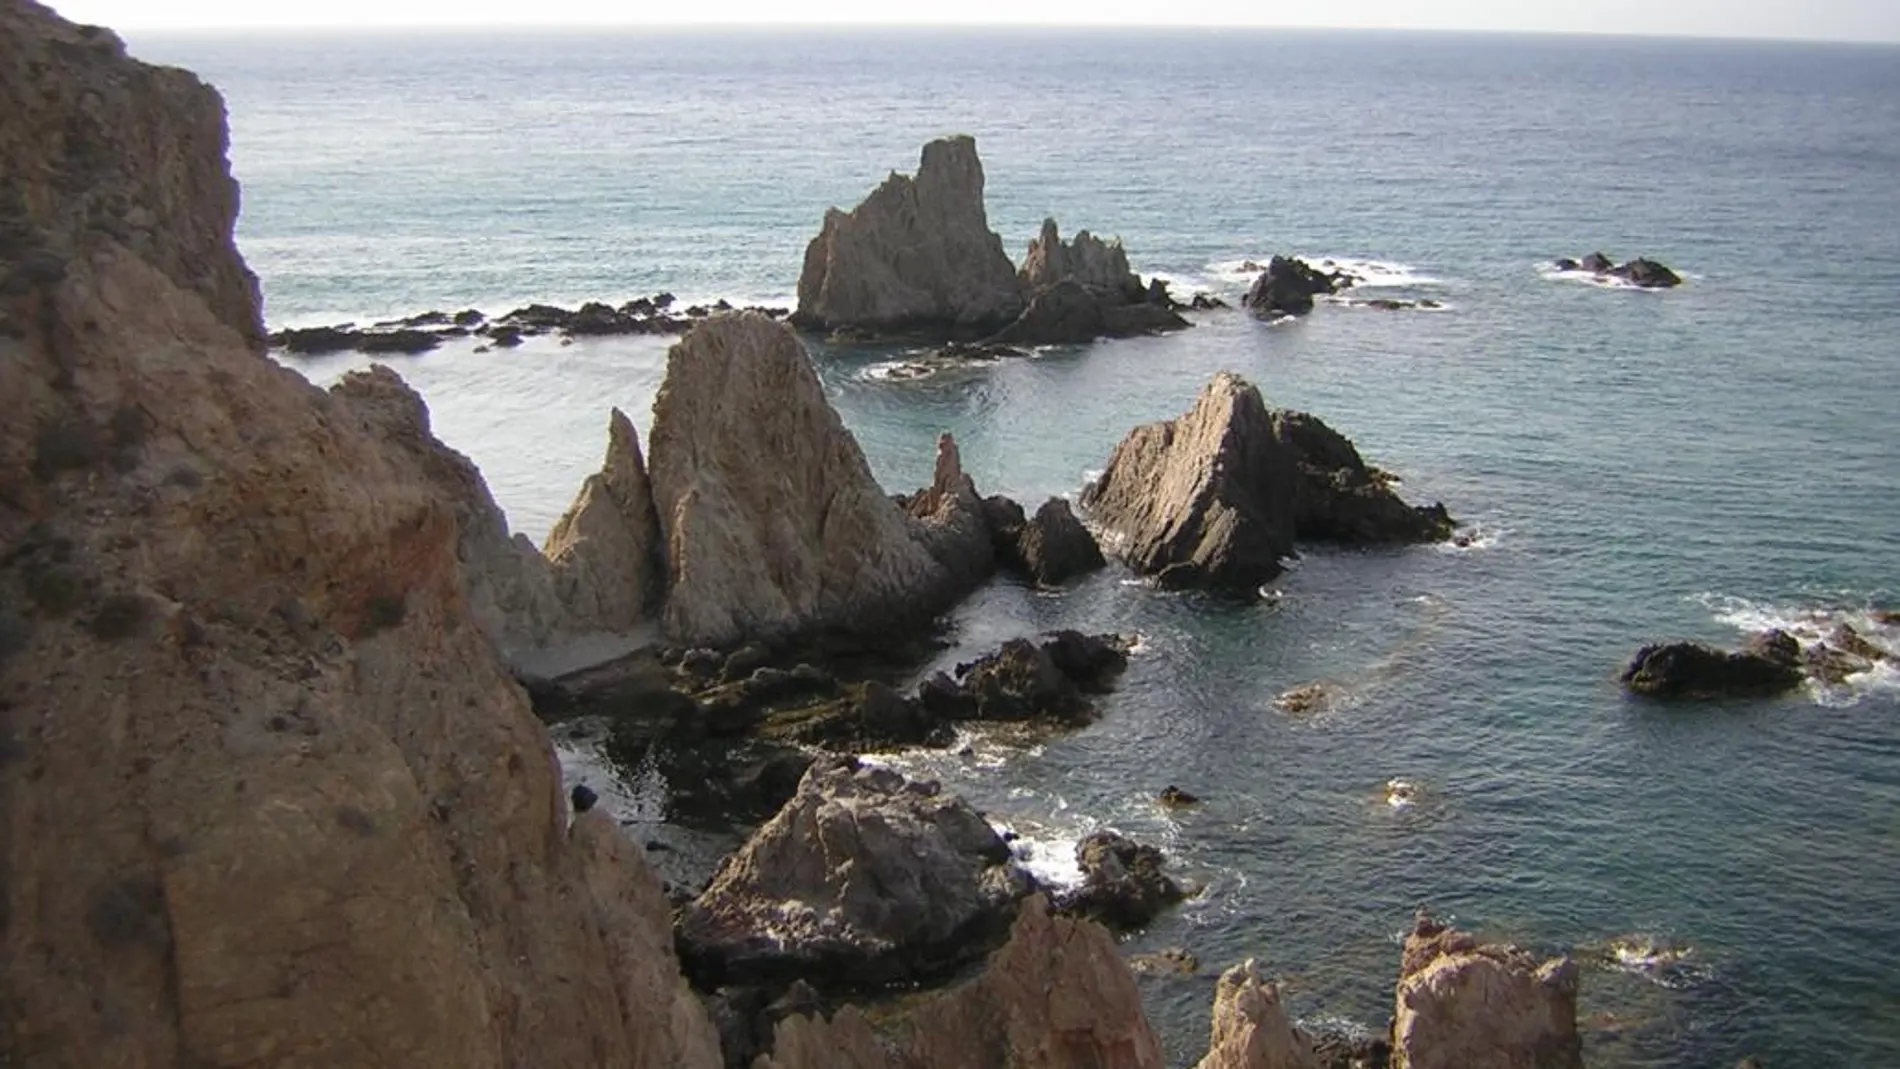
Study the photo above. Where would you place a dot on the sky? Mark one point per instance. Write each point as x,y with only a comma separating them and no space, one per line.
1840,20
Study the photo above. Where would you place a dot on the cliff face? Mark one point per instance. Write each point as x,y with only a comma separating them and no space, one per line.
917,254
1462,1004
268,795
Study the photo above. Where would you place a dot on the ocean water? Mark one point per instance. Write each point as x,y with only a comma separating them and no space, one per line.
1639,465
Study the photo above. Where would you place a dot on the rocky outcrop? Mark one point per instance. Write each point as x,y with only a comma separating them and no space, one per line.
1641,272
1050,549
1769,664
427,331
1030,680
1088,261
1466,1005
270,797
1123,882
772,524
605,549
1288,285
1083,290
917,255
862,880
1251,1029
1217,498
1056,996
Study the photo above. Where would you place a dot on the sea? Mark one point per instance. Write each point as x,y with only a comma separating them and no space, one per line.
1634,466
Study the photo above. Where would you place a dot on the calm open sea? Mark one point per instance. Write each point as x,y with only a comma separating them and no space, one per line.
1640,465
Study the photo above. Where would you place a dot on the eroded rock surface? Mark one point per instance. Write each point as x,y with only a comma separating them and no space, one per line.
1769,664
1251,1029
863,879
1056,996
270,797
605,549
1288,285
773,526
1466,1005
1217,498
917,255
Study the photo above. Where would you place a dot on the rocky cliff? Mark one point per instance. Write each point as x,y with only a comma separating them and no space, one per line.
1251,1029
918,254
1463,1004
771,521
605,548
269,797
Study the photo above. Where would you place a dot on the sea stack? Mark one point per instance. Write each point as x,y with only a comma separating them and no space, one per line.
917,256
1462,1004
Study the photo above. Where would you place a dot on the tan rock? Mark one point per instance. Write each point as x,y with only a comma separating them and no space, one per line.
1056,996
1251,1029
267,797
1466,1005
917,254
772,523
605,549
1097,265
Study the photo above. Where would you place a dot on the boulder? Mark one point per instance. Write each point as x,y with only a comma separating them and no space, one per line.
605,549
1647,274
917,255
1028,680
328,830
1597,264
863,879
1206,500
1217,498
1056,996
1251,1029
1769,664
772,525
1288,285
1123,885
1051,549
1465,1005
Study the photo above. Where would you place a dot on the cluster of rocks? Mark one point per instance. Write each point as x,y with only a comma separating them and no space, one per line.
1219,498
1287,286
1768,663
918,258
429,330
1641,272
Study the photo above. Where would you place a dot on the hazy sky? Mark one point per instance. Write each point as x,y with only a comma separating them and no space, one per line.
1854,20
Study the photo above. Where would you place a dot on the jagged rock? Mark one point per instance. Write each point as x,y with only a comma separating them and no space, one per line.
1216,498
1175,798
1056,996
1088,261
1082,291
1251,1029
1288,285
1769,664
1597,264
1463,1005
862,880
917,255
772,524
604,549
1123,885
329,830
953,523
1642,271
1051,549
1027,680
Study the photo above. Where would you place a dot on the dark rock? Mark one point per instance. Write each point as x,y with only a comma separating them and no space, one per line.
583,797
1205,303
315,341
744,661
1054,547
1691,670
1158,293
1567,264
862,880
1024,680
469,318
1597,264
1343,500
1338,1049
1174,961
1175,798
1123,884
543,316
505,337
868,718
1288,285
1648,274
406,342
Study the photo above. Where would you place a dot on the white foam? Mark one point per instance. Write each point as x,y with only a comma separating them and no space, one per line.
1367,273
1811,625
1551,272
1401,793
1472,539
1660,961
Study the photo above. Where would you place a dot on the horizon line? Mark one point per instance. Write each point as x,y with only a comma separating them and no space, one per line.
938,26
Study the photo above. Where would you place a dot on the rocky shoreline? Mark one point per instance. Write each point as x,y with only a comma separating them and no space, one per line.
286,640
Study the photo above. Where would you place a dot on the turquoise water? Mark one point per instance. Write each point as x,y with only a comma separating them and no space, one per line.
1639,465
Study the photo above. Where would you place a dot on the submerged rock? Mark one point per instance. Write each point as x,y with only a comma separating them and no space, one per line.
917,255
1251,1029
862,880
773,526
1217,498
1465,1005
1769,664
1642,271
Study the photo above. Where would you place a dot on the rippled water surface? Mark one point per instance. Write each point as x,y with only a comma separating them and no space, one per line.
1640,465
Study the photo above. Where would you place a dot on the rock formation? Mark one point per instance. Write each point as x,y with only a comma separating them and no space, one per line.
1088,261
269,796
1050,549
1641,272
772,524
605,549
1056,996
1466,1005
1082,290
1251,1030
1287,287
1123,885
1217,498
917,255
863,879
1769,664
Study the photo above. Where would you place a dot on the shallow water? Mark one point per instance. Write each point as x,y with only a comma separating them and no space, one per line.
1642,465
